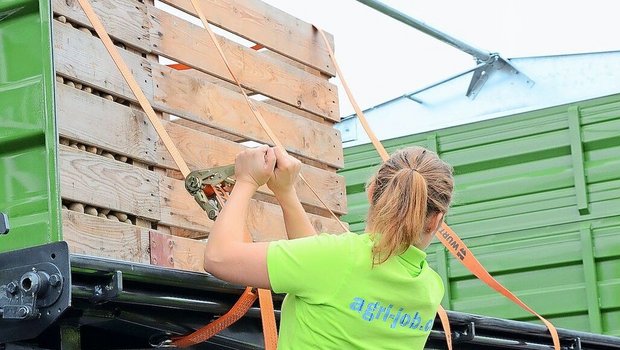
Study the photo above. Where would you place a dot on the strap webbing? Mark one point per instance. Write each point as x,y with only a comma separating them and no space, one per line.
248,298
255,111
445,234
133,85
238,310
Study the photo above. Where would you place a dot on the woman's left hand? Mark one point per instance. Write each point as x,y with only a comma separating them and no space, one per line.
255,165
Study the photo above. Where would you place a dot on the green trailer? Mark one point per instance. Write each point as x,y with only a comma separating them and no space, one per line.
538,202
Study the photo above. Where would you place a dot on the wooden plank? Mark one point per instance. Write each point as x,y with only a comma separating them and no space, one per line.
265,220
92,235
82,57
96,121
125,21
297,111
187,95
264,24
127,132
106,183
176,252
187,43
209,130
291,62
202,151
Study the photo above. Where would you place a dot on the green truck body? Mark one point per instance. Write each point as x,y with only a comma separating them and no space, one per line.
29,190
537,200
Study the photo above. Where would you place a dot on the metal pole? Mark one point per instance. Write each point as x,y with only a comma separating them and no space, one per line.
480,55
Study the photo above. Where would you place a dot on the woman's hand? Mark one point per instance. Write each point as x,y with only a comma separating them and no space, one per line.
255,165
285,173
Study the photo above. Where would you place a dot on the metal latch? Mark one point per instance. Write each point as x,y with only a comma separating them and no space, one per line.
35,289
204,186
4,224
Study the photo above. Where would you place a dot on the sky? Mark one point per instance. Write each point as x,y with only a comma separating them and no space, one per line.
382,58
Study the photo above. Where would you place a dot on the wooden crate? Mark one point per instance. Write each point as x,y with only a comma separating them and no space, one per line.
120,188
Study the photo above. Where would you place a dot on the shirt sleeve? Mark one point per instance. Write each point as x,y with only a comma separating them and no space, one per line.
311,267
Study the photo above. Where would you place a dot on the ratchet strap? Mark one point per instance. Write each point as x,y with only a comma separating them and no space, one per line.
249,296
240,308
445,234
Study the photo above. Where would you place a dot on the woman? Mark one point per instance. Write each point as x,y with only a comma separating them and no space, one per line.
348,291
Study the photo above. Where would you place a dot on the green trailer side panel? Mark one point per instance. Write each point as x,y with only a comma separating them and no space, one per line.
29,190
538,201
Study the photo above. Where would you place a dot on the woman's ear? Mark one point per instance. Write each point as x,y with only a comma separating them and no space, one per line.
370,190
434,222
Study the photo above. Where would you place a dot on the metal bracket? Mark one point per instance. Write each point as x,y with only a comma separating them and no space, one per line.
494,64
204,184
575,344
35,289
4,224
105,292
464,335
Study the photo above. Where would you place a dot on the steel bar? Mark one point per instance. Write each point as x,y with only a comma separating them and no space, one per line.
479,54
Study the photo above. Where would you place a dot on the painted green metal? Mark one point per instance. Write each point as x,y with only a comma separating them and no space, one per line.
29,190
538,201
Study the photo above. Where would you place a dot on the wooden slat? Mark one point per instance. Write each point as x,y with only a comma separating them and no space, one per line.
106,183
96,121
264,220
92,235
124,20
187,95
205,151
82,57
185,42
209,130
266,25
176,252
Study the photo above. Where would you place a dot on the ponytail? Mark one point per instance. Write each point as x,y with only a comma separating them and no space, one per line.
402,198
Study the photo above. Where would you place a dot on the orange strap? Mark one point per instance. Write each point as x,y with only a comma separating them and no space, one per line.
240,308
133,85
244,303
445,323
255,111
456,246
445,234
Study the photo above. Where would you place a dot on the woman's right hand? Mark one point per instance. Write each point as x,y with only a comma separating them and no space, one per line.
285,173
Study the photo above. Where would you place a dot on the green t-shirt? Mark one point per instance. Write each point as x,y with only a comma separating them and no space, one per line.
338,300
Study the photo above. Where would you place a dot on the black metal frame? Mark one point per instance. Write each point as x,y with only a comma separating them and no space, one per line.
125,305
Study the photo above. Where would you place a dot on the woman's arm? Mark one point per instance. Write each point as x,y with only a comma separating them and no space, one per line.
282,183
228,255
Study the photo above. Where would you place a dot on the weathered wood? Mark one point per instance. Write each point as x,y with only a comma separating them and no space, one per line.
205,151
91,235
187,95
96,180
187,43
82,57
264,220
96,121
125,21
81,117
176,252
266,25
209,130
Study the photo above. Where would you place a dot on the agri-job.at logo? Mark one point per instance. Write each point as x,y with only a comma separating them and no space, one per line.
460,253
375,311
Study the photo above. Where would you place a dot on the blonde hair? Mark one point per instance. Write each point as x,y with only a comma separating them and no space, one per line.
410,186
